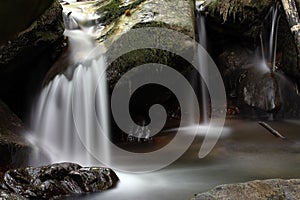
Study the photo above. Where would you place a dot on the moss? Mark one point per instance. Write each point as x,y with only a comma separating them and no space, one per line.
113,10
239,10
227,8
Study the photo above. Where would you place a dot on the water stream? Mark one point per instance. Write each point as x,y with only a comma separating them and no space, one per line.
245,152
268,36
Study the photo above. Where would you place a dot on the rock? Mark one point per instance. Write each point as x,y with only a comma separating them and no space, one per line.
14,150
25,59
286,50
249,80
175,15
47,28
259,189
239,18
20,15
55,180
259,90
6,195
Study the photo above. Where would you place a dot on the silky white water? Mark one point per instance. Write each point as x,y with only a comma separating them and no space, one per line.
63,122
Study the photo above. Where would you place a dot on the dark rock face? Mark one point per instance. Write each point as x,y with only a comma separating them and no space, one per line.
231,21
13,148
20,15
249,80
58,179
259,90
25,59
266,189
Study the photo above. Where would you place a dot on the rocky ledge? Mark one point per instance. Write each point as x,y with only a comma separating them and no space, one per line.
55,180
259,189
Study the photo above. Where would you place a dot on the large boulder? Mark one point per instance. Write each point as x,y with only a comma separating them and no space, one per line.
55,180
263,190
25,59
14,150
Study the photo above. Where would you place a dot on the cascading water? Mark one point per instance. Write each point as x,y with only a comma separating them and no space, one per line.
64,107
268,36
202,60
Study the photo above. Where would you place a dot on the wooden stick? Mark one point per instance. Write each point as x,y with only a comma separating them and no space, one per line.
271,130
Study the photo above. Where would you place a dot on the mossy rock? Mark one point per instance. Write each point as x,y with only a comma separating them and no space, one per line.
238,17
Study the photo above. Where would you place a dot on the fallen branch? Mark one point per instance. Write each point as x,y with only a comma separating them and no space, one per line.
271,130
292,17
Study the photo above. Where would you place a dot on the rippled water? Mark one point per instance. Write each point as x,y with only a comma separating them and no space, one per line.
246,152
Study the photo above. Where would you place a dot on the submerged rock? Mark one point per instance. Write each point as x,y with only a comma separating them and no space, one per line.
58,179
263,190
14,150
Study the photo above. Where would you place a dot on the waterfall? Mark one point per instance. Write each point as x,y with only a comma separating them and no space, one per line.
202,59
63,124
268,36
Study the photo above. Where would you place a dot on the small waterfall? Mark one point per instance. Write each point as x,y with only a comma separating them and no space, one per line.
202,59
268,36
71,114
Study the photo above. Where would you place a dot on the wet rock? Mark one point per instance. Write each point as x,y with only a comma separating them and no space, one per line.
259,189
6,195
248,80
259,90
25,59
58,179
14,149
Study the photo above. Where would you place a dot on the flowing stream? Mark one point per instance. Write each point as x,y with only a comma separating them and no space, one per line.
246,151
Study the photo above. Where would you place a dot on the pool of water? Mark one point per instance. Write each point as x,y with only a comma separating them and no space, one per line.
246,152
